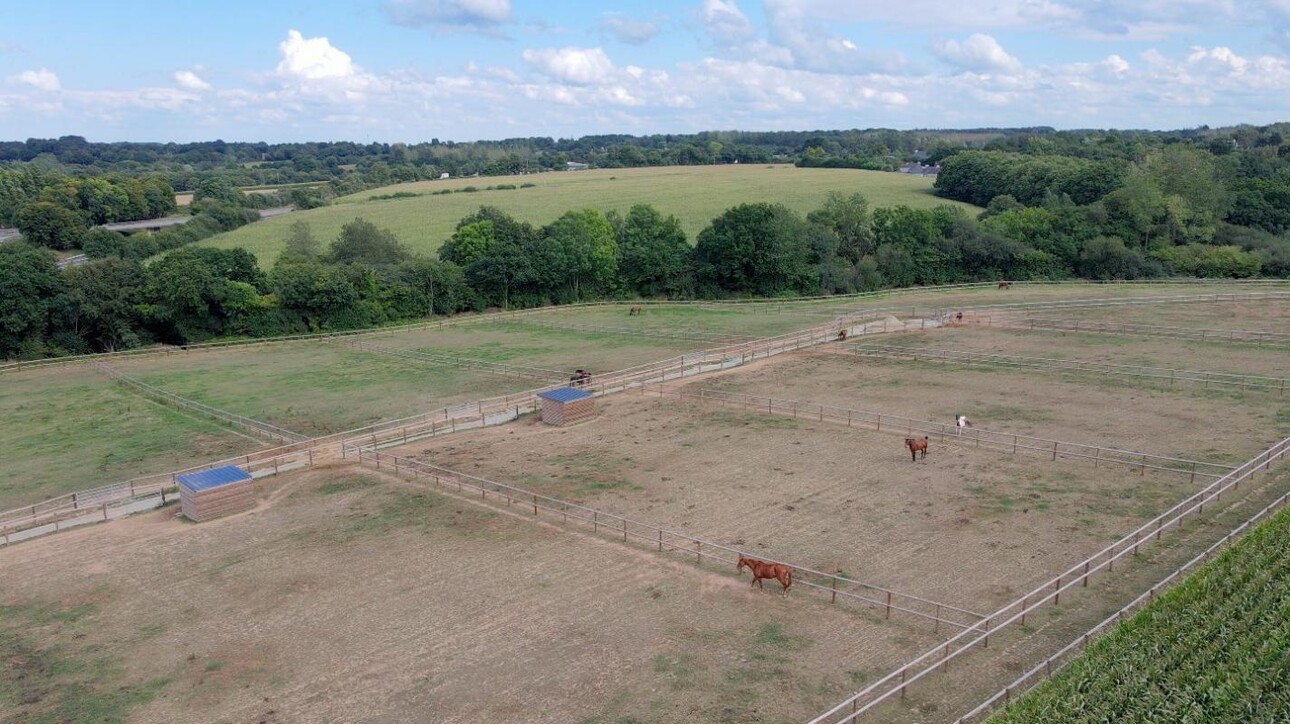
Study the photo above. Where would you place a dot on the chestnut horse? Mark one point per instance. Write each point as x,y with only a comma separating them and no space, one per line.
765,569
1005,285
916,445
635,311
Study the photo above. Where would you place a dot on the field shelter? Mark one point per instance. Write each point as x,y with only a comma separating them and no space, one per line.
215,493
565,406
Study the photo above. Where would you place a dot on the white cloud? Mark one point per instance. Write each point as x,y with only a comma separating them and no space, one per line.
481,15
807,42
725,22
581,66
42,79
979,53
312,58
627,30
190,81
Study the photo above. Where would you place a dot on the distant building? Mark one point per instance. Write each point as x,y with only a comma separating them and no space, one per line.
575,166
919,169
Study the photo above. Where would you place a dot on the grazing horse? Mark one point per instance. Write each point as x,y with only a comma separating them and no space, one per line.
765,569
635,311
842,335
1005,285
916,445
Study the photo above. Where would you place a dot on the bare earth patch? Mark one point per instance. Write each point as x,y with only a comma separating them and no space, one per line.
354,597
967,527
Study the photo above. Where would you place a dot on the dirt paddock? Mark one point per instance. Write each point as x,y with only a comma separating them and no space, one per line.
966,527
349,596
1189,422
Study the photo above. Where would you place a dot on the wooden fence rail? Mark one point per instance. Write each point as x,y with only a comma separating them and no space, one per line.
947,432
508,370
1045,669
836,587
895,683
1276,339
985,359
113,501
263,429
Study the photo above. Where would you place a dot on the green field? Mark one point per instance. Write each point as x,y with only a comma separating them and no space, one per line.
315,388
73,429
1216,648
694,194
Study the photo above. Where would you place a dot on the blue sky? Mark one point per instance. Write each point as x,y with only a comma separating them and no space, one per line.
412,70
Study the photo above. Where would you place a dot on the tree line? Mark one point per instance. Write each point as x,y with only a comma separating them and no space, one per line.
367,277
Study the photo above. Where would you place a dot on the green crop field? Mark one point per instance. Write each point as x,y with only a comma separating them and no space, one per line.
694,194
1212,649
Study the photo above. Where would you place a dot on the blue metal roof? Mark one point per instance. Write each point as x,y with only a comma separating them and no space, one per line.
564,394
213,478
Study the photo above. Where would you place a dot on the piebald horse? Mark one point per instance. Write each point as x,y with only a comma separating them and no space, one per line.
916,445
765,569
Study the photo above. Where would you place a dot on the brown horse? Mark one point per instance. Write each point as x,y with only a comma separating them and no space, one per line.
635,311
842,335
1005,285
765,569
916,445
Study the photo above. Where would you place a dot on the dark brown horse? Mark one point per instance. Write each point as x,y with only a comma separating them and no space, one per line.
1005,285
766,569
635,311
916,445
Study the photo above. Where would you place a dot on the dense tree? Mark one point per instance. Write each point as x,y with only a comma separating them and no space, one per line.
1262,204
33,296
47,224
301,242
1108,258
588,253
654,258
104,296
757,249
362,242
848,217
197,293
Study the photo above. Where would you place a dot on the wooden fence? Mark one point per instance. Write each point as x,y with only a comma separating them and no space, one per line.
1045,669
837,588
142,493
497,368
985,359
1276,339
948,433
465,319
895,683
263,429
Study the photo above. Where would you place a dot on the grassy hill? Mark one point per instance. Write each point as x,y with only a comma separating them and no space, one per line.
695,194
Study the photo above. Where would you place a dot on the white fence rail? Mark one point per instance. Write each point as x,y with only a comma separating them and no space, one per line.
263,429
949,434
836,587
498,368
1045,669
895,683
1166,375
